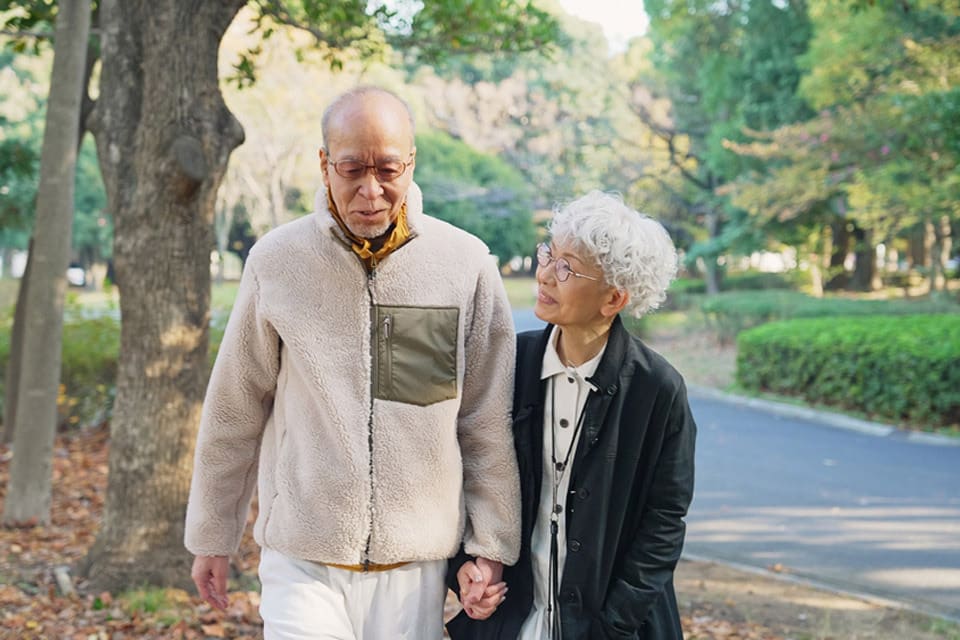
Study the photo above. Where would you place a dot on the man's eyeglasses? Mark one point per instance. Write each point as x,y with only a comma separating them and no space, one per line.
386,171
561,265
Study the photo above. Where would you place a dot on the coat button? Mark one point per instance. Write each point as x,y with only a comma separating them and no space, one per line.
583,493
574,545
569,596
611,390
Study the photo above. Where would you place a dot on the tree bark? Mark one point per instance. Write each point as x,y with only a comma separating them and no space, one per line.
837,277
711,268
12,379
943,245
865,266
30,484
164,136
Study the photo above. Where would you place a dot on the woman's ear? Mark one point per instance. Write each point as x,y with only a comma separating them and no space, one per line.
616,300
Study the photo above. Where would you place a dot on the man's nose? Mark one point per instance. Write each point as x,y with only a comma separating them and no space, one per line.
370,188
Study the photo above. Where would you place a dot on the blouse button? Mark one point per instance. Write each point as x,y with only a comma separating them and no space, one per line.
564,423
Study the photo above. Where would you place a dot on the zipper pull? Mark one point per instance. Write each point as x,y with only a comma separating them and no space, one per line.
387,324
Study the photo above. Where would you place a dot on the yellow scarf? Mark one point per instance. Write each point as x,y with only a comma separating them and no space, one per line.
363,247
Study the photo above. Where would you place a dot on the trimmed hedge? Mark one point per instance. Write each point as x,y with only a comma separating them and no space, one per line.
898,368
731,313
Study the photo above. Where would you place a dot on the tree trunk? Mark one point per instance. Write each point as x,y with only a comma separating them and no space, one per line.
711,269
837,272
943,245
929,246
30,484
865,266
12,379
164,136
814,247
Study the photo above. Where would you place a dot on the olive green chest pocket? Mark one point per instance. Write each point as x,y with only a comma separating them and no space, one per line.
415,360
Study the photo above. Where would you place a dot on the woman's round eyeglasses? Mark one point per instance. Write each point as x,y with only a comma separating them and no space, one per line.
561,265
385,171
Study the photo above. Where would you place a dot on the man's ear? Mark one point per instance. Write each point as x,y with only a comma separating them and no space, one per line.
616,300
324,167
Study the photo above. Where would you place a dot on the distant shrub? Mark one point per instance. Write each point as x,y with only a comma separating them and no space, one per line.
89,366
684,292
88,369
730,313
892,367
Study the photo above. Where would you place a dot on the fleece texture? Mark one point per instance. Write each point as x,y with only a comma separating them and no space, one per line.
344,477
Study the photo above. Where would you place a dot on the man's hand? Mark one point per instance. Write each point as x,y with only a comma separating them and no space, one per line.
481,587
210,575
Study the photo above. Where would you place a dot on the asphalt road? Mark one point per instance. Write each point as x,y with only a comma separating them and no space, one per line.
862,513
876,515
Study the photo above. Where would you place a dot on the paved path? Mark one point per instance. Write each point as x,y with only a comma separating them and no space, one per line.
877,514
841,502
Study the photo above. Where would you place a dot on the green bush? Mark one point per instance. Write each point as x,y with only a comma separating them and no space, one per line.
730,313
892,367
89,366
684,292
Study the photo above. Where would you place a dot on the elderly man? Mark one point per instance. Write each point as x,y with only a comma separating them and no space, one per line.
364,380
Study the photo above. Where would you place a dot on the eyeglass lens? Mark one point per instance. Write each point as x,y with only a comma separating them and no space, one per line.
561,268
385,171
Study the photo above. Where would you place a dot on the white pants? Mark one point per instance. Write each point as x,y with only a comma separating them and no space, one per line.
303,600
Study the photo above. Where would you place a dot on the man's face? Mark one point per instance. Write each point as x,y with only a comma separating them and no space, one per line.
372,130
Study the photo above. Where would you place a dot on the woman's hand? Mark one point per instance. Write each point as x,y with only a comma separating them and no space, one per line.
481,587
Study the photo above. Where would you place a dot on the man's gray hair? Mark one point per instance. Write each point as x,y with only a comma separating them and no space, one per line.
634,251
359,92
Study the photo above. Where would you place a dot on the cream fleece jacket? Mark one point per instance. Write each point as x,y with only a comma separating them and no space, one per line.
343,476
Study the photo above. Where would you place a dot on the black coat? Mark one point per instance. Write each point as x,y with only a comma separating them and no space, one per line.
631,483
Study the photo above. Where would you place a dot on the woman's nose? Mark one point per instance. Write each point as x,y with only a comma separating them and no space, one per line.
544,273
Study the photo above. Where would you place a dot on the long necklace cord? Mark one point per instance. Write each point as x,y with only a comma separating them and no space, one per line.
559,469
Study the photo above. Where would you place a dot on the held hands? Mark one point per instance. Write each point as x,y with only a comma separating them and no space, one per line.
210,575
482,589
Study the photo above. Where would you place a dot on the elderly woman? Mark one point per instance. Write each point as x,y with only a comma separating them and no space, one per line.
605,443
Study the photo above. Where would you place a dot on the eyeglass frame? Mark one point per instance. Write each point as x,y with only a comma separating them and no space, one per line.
545,253
367,167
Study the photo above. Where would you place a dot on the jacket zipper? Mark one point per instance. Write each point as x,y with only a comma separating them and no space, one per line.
371,279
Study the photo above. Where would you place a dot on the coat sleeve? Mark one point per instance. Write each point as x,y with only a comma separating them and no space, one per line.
648,566
490,478
238,401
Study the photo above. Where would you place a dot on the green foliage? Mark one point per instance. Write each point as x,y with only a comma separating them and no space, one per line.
731,313
727,69
428,32
476,192
88,369
894,368
89,364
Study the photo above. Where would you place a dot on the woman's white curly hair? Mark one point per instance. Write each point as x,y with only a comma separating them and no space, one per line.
634,251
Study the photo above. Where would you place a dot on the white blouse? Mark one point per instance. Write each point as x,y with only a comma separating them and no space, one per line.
567,390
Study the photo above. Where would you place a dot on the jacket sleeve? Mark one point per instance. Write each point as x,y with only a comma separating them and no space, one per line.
490,478
649,563
238,402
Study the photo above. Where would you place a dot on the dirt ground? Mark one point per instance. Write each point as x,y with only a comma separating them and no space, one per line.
712,595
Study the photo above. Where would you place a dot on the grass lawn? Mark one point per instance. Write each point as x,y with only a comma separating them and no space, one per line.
522,291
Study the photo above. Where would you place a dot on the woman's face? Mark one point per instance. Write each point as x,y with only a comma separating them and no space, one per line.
579,300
